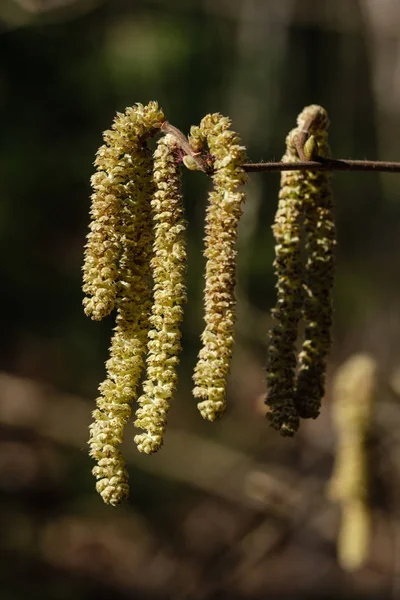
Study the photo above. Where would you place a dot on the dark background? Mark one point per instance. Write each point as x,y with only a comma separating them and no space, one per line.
228,510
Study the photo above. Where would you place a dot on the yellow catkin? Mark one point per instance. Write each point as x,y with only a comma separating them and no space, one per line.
112,186
354,391
354,535
223,214
103,245
320,243
133,301
168,269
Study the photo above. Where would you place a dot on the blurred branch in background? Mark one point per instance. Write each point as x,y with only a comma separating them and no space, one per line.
17,13
231,538
40,6
64,419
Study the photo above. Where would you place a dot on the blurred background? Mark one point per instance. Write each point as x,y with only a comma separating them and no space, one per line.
228,510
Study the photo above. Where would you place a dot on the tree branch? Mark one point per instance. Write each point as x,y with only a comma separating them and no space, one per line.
325,164
183,142
319,164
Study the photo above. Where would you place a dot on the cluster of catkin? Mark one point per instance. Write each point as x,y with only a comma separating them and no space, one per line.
135,262
305,237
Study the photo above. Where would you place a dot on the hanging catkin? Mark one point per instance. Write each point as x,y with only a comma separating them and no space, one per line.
135,261
281,359
303,226
168,269
223,214
320,242
125,143
354,390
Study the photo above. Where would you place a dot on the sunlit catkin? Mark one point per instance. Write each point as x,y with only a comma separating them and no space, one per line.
354,392
111,186
281,358
133,301
320,242
223,214
103,242
168,269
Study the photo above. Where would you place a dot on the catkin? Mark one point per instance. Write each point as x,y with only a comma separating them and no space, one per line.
223,214
103,242
281,359
320,242
112,186
128,344
132,298
168,269
303,225
354,391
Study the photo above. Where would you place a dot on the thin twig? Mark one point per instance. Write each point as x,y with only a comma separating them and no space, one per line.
320,164
325,164
184,144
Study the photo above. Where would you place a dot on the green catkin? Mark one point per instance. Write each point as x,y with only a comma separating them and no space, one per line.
133,299
281,358
303,292
168,269
354,391
320,242
223,214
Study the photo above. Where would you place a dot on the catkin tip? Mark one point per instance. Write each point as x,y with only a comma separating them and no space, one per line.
211,410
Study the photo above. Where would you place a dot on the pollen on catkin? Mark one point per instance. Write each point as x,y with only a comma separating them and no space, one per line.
111,186
223,214
281,357
128,345
133,302
354,391
320,242
168,269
